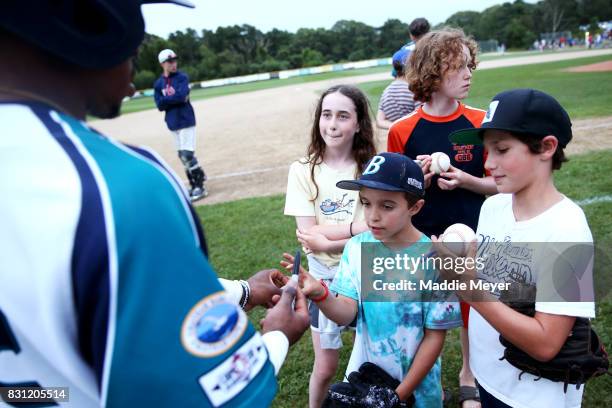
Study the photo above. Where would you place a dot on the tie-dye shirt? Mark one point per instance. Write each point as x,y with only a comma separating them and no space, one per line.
390,332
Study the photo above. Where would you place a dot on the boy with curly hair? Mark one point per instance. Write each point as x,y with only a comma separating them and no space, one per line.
439,75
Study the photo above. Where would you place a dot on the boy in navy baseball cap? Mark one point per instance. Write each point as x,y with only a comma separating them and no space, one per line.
391,189
524,133
394,182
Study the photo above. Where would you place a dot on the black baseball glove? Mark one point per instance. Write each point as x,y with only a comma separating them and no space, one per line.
371,386
581,357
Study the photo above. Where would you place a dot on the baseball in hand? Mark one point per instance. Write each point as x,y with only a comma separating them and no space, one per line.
457,238
440,162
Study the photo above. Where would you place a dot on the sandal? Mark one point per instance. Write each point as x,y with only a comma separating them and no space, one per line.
467,393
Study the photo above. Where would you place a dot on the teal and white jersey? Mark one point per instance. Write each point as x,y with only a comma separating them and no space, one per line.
105,286
389,333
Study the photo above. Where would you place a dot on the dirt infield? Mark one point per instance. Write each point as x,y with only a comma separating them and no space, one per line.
248,140
598,67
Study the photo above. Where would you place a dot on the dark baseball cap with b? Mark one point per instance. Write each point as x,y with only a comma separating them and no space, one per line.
389,172
524,111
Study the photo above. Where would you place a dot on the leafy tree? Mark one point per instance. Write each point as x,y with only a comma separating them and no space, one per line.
148,51
466,20
275,40
391,36
243,49
144,79
186,45
312,58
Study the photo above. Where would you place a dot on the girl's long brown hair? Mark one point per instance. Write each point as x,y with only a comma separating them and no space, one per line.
363,143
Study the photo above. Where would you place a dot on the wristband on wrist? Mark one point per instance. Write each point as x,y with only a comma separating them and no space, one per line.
351,229
246,293
325,294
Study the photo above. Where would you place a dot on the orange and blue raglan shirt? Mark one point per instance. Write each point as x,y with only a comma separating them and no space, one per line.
420,133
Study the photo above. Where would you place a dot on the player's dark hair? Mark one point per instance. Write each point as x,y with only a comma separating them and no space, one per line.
419,27
534,144
363,143
412,199
399,68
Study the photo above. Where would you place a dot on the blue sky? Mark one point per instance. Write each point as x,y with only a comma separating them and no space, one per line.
290,15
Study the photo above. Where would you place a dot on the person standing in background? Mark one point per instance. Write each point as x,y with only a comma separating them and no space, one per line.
172,97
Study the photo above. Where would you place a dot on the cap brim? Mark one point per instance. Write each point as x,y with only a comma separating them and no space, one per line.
357,184
375,185
184,3
472,136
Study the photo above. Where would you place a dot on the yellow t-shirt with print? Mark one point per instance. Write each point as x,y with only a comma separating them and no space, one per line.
331,207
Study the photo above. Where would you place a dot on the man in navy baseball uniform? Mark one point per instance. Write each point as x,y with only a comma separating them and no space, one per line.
172,97
105,284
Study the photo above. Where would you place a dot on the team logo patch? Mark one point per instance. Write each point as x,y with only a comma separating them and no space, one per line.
490,112
212,326
232,376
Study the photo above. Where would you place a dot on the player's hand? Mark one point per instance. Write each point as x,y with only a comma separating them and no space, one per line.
170,91
310,286
314,241
451,179
293,322
425,163
264,286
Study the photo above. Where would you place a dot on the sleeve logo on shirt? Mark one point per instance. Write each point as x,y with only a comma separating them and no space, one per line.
212,326
232,376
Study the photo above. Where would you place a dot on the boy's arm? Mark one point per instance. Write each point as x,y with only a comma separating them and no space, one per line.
157,95
339,308
181,91
340,231
382,121
424,359
541,336
326,238
455,177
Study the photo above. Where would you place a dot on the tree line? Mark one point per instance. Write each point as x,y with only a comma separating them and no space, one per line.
243,49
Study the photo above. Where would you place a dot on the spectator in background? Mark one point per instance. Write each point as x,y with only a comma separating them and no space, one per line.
396,101
417,28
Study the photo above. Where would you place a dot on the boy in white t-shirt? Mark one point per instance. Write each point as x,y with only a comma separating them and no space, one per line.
524,132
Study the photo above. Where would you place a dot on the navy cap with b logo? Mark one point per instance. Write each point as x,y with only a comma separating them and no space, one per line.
524,111
389,172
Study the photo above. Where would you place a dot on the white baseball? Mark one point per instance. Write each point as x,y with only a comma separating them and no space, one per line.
457,238
440,162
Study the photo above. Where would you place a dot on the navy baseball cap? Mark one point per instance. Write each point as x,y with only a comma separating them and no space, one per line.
389,172
524,111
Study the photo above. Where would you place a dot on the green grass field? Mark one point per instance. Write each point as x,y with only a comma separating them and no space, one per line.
248,235
140,104
583,94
